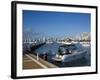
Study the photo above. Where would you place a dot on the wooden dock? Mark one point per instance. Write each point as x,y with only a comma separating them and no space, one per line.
30,62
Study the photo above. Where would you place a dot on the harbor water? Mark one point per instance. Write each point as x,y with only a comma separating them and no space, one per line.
52,50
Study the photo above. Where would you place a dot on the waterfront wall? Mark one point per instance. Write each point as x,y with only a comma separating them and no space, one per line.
27,48
34,47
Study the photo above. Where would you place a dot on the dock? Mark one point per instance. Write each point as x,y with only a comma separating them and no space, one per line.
30,62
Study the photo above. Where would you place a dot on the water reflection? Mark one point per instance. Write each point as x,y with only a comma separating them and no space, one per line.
51,48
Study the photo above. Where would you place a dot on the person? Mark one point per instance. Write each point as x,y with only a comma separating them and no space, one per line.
45,57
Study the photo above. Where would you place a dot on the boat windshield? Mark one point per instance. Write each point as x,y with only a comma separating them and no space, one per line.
69,47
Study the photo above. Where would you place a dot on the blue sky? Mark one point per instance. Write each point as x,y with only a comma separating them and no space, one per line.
56,23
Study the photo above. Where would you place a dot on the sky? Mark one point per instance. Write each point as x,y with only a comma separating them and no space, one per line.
56,23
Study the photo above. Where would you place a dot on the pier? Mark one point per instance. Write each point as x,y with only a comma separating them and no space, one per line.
30,62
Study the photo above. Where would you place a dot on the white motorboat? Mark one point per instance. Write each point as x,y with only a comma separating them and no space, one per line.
69,52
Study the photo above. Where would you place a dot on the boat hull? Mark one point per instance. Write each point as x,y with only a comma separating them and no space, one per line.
71,57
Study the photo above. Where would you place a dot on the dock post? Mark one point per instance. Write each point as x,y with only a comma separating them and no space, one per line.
37,56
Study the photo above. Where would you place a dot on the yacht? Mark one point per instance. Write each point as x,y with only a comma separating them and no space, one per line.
69,52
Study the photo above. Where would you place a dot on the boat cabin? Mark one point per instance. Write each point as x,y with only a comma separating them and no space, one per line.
66,49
